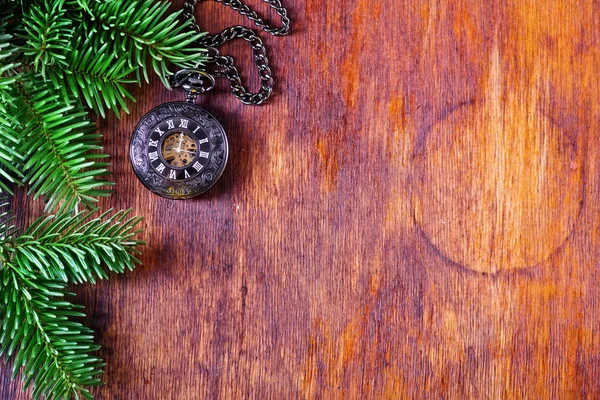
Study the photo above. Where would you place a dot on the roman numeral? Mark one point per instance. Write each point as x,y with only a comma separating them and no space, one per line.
171,124
159,131
197,128
172,174
197,166
185,174
205,140
160,168
184,123
153,156
153,143
203,154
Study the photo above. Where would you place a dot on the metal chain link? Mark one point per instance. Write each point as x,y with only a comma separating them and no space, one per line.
228,69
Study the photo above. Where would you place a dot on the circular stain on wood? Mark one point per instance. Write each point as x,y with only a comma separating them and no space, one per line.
498,186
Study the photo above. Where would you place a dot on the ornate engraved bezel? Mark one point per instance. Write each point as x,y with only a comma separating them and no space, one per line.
187,188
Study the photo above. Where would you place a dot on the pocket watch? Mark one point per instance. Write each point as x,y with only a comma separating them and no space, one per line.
179,150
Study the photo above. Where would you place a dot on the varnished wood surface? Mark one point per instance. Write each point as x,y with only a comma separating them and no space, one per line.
412,216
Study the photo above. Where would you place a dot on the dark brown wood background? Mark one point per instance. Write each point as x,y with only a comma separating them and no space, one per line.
413,215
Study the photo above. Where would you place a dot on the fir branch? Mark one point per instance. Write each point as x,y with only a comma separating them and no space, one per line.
83,5
48,33
75,247
70,51
54,352
58,144
96,76
75,68
9,139
142,30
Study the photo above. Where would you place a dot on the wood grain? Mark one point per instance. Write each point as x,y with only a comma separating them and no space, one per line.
413,215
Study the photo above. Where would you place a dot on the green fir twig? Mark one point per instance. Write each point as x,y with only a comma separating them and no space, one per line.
58,60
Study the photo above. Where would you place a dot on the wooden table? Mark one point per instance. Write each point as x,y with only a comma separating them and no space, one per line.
413,215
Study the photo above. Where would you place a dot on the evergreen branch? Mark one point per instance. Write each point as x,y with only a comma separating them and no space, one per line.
48,33
8,66
7,229
140,30
53,55
75,68
9,139
54,352
83,5
74,247
95,75
58,144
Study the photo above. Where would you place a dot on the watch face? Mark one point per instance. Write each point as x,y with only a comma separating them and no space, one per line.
178,150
